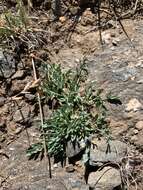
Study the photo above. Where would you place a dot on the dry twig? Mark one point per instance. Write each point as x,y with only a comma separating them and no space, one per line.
46,155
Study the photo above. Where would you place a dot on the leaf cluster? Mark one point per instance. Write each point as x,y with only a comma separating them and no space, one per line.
78,109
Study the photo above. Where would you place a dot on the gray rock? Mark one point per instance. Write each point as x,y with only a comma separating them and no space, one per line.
22,114
7,65
73,149
124,73
30,97
2,101
101,152
19,74
77,184
107,179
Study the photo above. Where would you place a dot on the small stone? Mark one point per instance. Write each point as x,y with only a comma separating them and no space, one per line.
30,97
140,81
140,64
139,140
134,138
69,168
106,37
19,85
115,41
2,101
118,127
7,65
135,131
133,105
110,179
80,168
55,165
74,10
19,74
22,114
139,125
2,137
62,19
18,130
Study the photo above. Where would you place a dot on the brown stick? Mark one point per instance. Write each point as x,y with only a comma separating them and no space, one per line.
46,155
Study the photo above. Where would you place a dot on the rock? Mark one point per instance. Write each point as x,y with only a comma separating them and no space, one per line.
73,149
7,65
69,168
138,139
115,41
134,138
88,18
101,152
80,167
19,85
18,75
110,179
2,101
2,137
62,19
30,97
118,127
133,105
106,37
135,131
139,125
124,74
140,81
22,115
77,184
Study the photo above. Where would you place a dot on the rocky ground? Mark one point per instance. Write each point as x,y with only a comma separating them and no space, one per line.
116,66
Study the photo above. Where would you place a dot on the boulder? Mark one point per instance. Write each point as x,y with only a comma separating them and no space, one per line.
102,152
106,179
74,148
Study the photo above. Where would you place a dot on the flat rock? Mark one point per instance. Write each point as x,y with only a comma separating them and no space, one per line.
101,152
2,101
118,127
134,105
22,114
7,65
73,149
139,125
19,74
109,179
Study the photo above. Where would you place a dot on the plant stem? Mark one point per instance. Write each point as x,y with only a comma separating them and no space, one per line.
46,155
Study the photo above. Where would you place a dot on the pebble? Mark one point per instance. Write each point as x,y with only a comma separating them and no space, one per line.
19,74
2,101
69,168
140,81
133,105
139,125
134,138
135,131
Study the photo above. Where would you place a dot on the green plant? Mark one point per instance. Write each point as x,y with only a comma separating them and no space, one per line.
12,24
78,109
